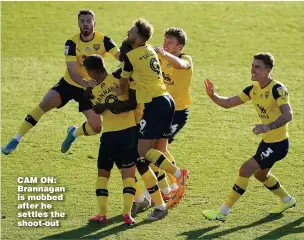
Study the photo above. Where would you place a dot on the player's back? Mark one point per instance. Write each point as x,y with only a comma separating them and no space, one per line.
146,72
104,93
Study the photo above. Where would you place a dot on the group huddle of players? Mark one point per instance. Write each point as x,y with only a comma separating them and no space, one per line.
141,106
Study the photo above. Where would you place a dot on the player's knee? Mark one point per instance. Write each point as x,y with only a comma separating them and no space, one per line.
104,173
51,100
142,151
142,167
161,145
96,127
261,176
128,172
244,171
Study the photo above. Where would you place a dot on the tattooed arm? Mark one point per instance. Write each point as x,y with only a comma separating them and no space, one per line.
284,118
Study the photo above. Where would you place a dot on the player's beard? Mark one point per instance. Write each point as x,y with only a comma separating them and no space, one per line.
86,32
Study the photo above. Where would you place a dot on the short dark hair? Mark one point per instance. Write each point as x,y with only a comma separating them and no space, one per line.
86,12
266,57
144,28
94,62
177,33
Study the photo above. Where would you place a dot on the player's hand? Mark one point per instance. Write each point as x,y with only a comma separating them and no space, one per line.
260,128
99,108
117,90
209,88
92,83
161,51
88,93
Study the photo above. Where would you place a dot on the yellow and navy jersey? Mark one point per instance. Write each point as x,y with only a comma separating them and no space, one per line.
76,50
104,93
142,64
178,81
267,102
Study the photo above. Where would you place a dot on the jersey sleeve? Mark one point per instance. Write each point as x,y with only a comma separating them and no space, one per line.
110,46
245,94
127,68
70,51
186,58
280,93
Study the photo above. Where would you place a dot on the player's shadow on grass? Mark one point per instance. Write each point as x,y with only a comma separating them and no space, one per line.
91,227
201,233
285,230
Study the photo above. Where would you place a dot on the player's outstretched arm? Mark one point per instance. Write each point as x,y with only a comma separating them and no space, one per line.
174,61
225,102
72,66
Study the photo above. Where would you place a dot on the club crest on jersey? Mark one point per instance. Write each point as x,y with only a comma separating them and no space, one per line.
282,91
96,47
261,95
168,65
87,49
266,94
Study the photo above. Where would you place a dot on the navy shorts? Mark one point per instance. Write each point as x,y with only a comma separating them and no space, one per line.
119,147
70,92
269,153
157,119
179,121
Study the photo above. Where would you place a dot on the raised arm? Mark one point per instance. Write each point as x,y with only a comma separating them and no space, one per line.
225,102
174,61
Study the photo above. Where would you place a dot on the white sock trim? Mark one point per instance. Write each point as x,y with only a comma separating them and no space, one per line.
166,190
140,199
18,137
286,199
161,207
224,210
177,174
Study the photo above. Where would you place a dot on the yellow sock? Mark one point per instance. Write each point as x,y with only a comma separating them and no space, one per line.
273,184
30,120
102,195
138,189
85,129
171,159
150,181
128,194
161,178
162,182
238,189
159,160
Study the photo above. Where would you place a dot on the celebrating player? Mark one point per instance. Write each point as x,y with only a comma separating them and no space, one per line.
177,69
143,66
271,102
72,85
118,142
